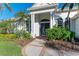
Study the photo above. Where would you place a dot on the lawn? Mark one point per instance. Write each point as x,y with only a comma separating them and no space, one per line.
9,48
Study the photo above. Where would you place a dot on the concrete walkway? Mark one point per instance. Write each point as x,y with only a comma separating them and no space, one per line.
37,48
34,48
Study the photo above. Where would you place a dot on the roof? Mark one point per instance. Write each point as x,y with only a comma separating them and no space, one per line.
75,17
40,4
37,6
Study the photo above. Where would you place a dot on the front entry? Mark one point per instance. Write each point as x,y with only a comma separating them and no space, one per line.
43,26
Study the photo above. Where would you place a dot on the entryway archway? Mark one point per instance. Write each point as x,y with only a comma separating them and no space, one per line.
44,24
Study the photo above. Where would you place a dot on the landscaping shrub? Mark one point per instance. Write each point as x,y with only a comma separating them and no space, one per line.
23,35
3,24
59,33
8,36
2,31
6,27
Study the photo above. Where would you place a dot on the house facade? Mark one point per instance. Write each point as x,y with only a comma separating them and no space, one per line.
46,15
21,25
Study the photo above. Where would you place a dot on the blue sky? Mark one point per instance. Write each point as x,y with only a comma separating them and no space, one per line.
5,14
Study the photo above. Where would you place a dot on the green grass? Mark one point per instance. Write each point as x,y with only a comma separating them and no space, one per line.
9,48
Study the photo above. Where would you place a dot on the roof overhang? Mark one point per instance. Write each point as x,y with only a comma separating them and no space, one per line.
41,7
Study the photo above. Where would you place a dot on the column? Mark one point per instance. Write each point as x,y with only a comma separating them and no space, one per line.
51,20
33,25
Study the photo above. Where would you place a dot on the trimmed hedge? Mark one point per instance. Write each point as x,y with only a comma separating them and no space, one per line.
8,36
18,35
59,33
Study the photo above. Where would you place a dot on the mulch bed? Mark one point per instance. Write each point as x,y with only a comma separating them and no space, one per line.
62,45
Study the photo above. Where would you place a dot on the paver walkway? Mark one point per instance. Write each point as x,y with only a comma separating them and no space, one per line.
37,48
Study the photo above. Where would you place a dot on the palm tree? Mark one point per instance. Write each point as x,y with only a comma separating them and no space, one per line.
2,8
6,6
22,15
70,5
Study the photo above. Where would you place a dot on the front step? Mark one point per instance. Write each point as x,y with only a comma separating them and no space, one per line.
42,37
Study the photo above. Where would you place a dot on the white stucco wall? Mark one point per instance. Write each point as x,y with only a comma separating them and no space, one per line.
33,25
37,25
20,26
72,25
77,28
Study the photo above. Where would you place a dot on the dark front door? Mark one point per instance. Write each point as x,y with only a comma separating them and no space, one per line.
43,28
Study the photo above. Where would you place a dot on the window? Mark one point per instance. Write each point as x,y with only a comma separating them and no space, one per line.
28,26
59,20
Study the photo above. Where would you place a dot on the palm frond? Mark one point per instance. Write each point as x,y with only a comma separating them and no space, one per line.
8,7
1,7
71,5
78,6
63,6
70,8
22,15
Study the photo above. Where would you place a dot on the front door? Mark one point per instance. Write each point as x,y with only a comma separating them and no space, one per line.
43,27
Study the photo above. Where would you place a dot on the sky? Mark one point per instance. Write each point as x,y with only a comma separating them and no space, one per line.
6,14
